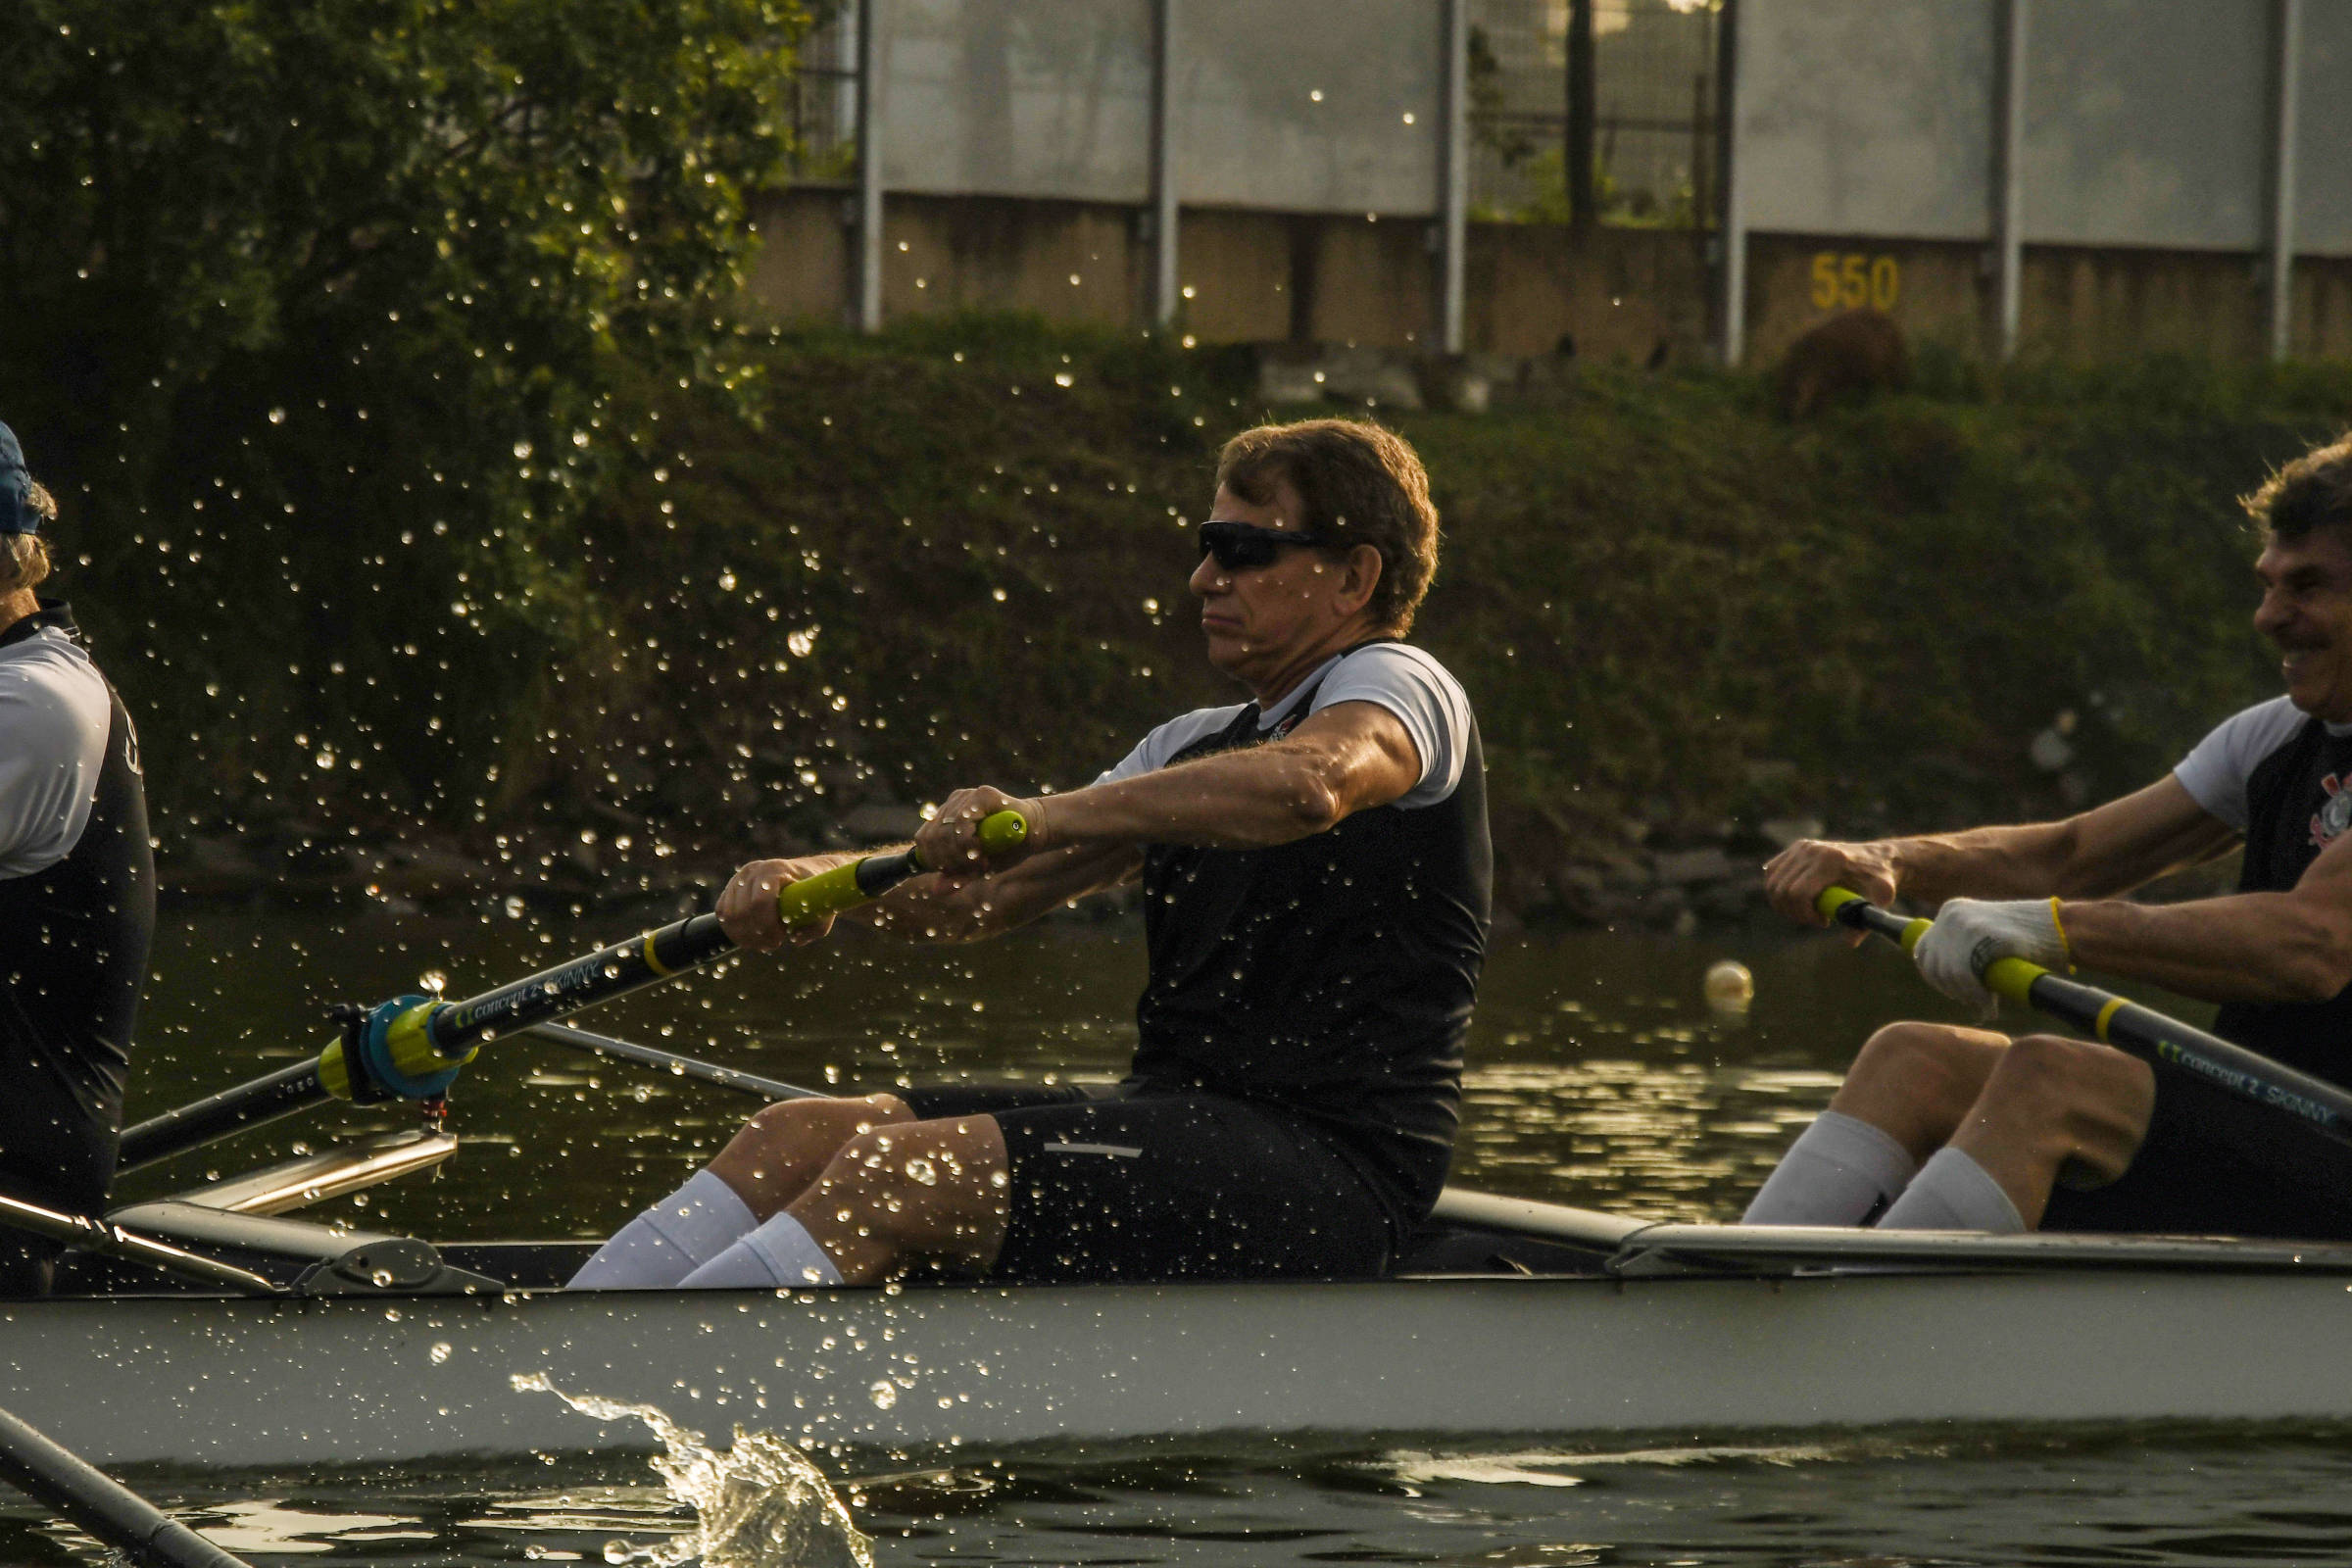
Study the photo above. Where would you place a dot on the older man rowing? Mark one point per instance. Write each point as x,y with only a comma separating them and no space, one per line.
1315,868
2058,1132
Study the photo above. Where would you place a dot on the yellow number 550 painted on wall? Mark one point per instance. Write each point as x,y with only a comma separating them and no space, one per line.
1851,279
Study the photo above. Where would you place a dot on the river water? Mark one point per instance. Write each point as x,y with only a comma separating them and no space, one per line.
1598,1076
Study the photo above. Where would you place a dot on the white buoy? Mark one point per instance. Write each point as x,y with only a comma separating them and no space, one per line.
1728,987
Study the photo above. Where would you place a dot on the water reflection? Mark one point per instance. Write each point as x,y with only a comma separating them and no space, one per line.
2182,1497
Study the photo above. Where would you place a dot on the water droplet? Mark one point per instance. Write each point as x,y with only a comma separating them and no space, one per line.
884,1394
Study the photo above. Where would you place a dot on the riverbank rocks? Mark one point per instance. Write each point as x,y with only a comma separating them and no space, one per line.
1403,380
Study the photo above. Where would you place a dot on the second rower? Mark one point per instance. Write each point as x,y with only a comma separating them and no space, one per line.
1943,1126
1315,868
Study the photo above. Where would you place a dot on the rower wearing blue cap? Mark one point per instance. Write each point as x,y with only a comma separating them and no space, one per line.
76,892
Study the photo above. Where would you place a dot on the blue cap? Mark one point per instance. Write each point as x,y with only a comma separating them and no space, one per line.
16,511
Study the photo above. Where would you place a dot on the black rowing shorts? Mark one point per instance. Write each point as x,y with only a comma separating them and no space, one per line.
1148,1184
2214,1166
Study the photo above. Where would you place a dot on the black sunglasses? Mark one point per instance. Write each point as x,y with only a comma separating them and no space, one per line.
1244,546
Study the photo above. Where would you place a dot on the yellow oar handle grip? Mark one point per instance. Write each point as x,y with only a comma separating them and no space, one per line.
1001,831
1831,899
2012,978
2007,977
1844,906
826,893
844,887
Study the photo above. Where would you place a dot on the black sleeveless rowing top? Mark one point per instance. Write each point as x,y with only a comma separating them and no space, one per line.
73,943
1334,975
2298,801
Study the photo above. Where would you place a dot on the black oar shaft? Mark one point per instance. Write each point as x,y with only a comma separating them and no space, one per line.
218,1115
429,1038
2164,1043
598,976
38,1466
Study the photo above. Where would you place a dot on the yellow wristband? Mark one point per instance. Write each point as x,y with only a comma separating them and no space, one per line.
2060,928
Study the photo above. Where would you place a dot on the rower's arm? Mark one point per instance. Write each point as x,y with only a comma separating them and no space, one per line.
2100,853
1343,759
938,908
2108,850
1346,758
926,908
2294,945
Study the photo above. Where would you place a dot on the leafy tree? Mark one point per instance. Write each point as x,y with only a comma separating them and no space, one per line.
312,310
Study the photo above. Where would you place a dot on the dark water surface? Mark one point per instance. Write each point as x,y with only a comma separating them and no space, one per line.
1598,1076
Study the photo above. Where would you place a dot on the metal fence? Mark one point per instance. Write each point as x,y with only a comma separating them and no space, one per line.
1652,111
824,102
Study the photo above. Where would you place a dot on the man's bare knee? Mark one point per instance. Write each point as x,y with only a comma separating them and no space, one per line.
771,1160
2086,1105
1916,1081
932,1189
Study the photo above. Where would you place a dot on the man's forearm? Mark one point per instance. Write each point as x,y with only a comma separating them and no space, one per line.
931,908
1251,799
2022,862
2248,946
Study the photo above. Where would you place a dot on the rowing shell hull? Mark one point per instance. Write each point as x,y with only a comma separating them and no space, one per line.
268,1384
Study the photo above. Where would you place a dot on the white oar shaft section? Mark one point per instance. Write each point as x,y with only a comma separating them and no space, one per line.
87,1235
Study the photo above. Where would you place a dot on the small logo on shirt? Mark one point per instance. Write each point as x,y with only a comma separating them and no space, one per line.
2328,823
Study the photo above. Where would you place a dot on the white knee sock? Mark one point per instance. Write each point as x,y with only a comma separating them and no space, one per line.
780,1252
669,1241
1953,1193
1837,1172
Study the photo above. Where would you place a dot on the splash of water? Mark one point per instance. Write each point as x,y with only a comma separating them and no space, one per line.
763,1504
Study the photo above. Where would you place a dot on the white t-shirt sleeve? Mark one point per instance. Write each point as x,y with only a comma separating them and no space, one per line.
1425,698
2218,768
1154,751
53,721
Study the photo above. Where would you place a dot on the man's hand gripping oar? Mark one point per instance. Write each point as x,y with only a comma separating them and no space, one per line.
412,1047
2166,1044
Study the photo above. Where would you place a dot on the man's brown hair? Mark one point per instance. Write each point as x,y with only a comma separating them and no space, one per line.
2315,491
1361,485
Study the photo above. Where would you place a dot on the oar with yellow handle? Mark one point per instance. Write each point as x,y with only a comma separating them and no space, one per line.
410,1048
2164,1043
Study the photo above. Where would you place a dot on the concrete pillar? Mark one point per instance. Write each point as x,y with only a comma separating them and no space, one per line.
2287,36
865,307
1731,231
2008,175
1453,170
1580,147
1166,292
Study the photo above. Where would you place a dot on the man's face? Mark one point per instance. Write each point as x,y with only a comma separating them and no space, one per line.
2307,610
1258,620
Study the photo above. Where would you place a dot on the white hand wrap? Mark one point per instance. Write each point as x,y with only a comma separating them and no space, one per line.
1970,934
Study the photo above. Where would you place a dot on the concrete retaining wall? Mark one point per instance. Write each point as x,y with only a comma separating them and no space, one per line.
1634,295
